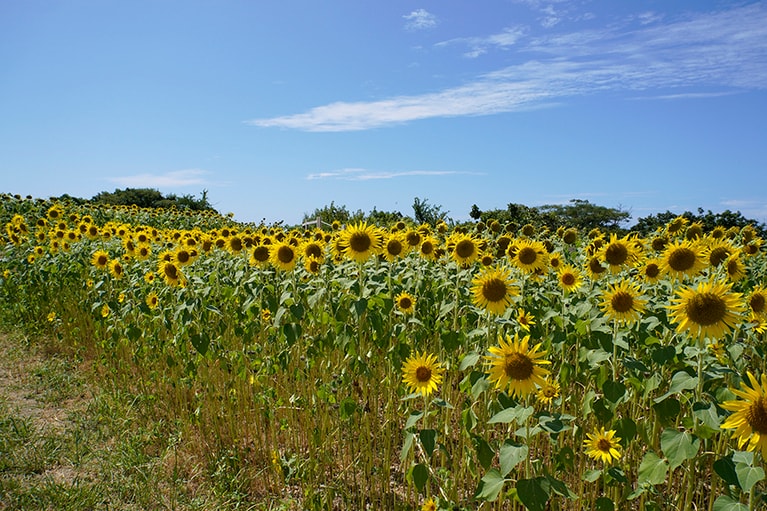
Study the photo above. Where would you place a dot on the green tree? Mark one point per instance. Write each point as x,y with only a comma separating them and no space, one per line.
584,216
425,213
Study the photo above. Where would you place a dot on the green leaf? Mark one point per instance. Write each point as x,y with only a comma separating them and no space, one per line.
614,390
534,493
485,453
652,469
667,410
604,504
406,446
201,342
428,438
511,455
412,419
748,476
420,476
707,414
663,354
625,429
591,475
679,382
678,446
725,468
347,408
518,413
469,361
725,503
617,474
490,486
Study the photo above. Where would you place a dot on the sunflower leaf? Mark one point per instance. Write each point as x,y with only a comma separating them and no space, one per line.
748,476
534,493
652,469
518,413
511,455
725,503
490,485
678,446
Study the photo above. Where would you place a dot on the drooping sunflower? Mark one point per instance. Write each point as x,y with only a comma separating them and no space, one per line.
493,290
749,419
361,241
516,367
283,256
603,445
405,303
709,309
530,255
594,268
718,251
100,259
734,267
525,320
569,279
618,253
313,264
422,373
622,302
683,258
757,302
465,249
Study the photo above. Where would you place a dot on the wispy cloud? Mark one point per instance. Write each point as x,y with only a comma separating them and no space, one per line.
358,174
177,178
724,50
419,20
480,45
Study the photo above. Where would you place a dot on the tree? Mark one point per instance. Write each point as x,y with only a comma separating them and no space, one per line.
151,198
584,216
332,213
425,213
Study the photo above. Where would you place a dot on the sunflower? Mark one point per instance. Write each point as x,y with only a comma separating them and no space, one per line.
429,249
594,268
709,309
517,367
313,249
618,253
182,257
683,258
150,277
116,268
493,290
622,302
405,303
555,261
313,264
394,246
525,320
283,256
422,373
429,505
676,225
171,273
234,245
259,255
651,270
717,252
603,445
548,391
100,259
530,255
569,279
465,249
757,302
735,268
750,418
361,241
105,310
152,301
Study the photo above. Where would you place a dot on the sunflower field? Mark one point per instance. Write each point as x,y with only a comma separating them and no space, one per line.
410,367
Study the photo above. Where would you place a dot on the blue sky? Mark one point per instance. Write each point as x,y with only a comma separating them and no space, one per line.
278,108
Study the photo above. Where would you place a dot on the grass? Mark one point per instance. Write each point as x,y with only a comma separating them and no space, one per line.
68,444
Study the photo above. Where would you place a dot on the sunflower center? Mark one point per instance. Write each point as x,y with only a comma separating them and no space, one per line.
518,366
261,253
681,259
313,250
622,301
616,254
102,260
595,267
464,248
494,290
527,255
568,279
427,247
182,256
360,242
394,247
757,303
604,445
652,270
549,391
171,271
405,302
706,309
718,255
413,239
285,254
757,416
423,374
235,244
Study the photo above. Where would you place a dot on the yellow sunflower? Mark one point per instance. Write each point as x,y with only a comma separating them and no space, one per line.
603,445
428,249
651,270
718,251
749,419
555,261
422,373
710,309
530,255
116,268
683,258
259,255
517,367
465,249
182,257
361,241
493,290
618,253
569,279
170,272
525,320
594,268
405,303
283,256
622,302
394,247
548,391
100,259
152,301
757,302
735,268
429,505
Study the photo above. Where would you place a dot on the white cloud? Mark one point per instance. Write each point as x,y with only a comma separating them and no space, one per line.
481,45
177,178
724,51
357,174
420,19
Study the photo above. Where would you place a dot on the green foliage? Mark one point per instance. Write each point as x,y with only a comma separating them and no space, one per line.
151,198
425,213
